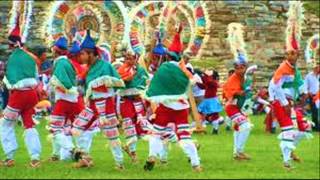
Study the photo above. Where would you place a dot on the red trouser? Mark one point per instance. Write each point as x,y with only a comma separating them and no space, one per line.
164,115
22,102
130,108
110,109
282,116
64,113
235,114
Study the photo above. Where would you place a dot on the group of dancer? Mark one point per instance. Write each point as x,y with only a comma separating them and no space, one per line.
92,94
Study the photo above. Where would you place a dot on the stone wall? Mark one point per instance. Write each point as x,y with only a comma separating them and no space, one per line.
264,23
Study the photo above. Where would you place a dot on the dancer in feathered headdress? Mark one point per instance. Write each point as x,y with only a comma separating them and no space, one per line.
68,101
132,107
286,83
21,79
234,91
312,78
237,46
100,83
168,88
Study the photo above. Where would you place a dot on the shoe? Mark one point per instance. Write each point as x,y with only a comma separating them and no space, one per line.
119,167
54,158
149,165
126,149
221,120
295,157
85,161
34,163
214,131
164,162
287,166
134,158
241,156
197,169
8,163
237,157
244,156
76,155
132,155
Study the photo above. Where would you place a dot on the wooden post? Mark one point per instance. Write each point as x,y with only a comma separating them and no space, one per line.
195,113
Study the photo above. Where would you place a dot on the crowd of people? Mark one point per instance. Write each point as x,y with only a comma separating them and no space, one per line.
93,93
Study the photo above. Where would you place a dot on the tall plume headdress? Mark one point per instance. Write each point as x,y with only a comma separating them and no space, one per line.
294,25
237,44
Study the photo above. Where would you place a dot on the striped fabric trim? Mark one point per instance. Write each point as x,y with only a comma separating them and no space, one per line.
57,118
169,129
79,127
83,119
113,121
287,128
126,119
89,110
129,127
11,113
12,109
107,127
183,128
112,115
185,137
100,103
242,122
159,128
173,137
131,136
235,116
113,138
288,140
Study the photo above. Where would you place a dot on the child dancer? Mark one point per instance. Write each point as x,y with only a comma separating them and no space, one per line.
227,119
234,92
132,107
210,107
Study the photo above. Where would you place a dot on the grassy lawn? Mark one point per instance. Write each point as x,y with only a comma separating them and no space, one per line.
216,157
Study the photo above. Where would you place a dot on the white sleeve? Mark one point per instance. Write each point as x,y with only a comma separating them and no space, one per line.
278,93
306,84
262,101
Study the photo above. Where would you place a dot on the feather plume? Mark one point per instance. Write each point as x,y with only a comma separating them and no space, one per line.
294,25
312,47
237,44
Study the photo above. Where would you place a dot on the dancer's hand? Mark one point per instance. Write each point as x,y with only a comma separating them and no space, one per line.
241,93
288,109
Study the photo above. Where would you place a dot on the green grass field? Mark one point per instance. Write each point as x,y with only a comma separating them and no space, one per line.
215,152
